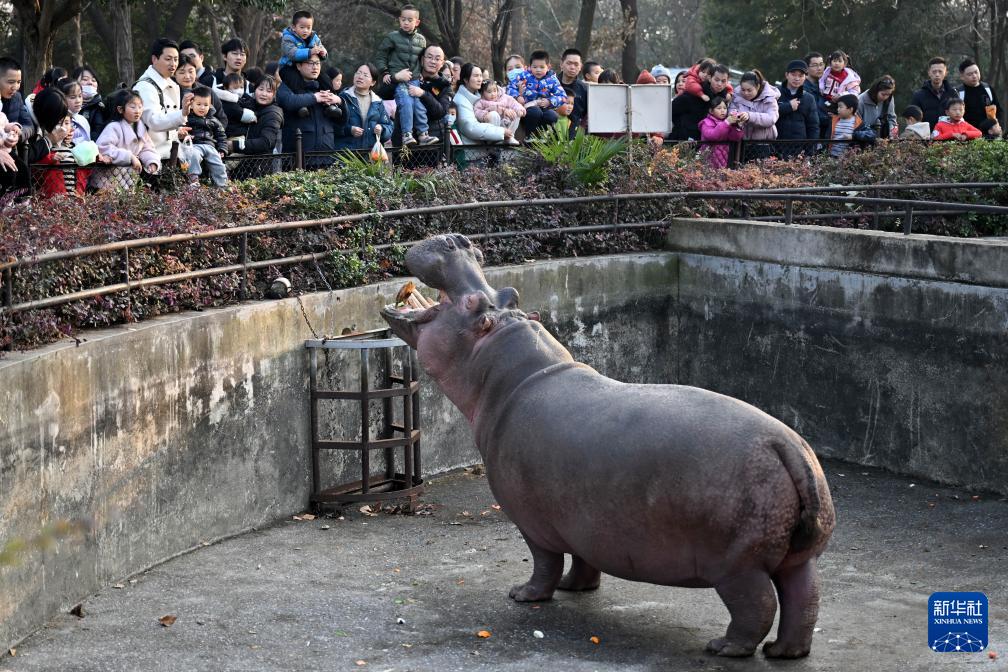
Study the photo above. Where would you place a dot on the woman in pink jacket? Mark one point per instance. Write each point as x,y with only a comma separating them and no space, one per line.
126,142
755,105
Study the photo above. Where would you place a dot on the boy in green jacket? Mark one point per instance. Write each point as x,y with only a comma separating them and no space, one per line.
398,62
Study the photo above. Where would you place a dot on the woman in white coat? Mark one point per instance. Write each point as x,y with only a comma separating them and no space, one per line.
470,130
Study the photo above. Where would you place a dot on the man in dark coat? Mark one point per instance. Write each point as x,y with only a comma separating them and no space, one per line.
570,68
688,111
982,104
798,118
10,97
933,93
816,67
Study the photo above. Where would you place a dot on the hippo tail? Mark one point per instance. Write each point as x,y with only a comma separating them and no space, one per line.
803,474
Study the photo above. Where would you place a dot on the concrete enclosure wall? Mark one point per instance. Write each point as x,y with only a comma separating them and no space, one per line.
165,435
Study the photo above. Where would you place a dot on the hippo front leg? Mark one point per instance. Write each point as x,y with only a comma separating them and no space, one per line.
547,567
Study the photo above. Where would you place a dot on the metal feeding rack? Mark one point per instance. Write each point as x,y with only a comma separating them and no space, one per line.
386,484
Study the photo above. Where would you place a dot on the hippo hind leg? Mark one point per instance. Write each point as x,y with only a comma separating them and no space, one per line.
581,576
798,588
752,604
547,567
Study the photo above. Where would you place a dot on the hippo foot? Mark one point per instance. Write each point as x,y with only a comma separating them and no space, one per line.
730,649
572,581
785,650
529,592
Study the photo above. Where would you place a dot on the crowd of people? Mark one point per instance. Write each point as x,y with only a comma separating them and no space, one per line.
409,94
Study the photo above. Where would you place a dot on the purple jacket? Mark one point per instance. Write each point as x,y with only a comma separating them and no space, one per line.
719,131
762,110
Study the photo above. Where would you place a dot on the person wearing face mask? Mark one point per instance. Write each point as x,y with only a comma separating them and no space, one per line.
513,67
94,107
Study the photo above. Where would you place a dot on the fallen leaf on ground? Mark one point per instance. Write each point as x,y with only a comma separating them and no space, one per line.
12,651
78,611
495,507
367,510
595,640
460,582
166,621
361,663
307,516
483,634
992,655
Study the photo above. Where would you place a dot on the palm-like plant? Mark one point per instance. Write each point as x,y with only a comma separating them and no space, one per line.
586,156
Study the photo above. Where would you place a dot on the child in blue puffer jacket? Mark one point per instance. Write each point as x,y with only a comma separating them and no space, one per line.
365,112
297,44
540,91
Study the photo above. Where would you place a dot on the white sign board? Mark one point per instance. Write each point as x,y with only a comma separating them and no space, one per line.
647,107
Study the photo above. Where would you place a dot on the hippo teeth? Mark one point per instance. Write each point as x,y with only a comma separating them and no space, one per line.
409,299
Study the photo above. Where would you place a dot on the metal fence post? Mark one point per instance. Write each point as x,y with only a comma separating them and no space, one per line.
125,269
788,211
8,287
908,222
243,260
298,151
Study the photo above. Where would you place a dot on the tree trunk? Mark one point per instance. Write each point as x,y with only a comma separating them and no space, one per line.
78,47
518,21
997,75
178,17
114,25
38,21
584,30
628,33
448,14
499,31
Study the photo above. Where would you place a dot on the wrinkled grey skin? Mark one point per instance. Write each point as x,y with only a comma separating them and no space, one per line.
668,484
451,263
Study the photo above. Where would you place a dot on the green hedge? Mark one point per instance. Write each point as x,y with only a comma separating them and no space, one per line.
40,226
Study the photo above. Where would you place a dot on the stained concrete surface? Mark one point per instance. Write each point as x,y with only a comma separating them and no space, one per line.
297,596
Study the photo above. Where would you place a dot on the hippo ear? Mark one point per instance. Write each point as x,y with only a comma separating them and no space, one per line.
477,302
507,298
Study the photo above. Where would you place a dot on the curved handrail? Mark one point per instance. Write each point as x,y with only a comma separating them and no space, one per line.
244,265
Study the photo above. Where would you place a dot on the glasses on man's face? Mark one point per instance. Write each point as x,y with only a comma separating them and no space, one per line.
314,64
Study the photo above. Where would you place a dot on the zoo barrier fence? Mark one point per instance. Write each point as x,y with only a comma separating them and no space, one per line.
243,264
45,177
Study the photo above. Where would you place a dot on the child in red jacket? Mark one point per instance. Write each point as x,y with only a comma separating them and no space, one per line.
700,73
955,128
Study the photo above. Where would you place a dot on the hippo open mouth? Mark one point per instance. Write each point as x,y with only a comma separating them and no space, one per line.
410,310
451,264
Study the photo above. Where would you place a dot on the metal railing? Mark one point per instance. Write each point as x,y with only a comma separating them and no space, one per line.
244,264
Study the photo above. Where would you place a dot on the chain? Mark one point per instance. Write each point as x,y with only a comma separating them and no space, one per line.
304,314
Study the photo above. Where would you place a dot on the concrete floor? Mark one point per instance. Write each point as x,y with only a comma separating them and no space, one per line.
298,596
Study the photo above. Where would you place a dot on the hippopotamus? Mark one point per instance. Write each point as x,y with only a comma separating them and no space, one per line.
668,484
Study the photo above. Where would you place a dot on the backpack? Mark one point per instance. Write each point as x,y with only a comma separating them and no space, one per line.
160,93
